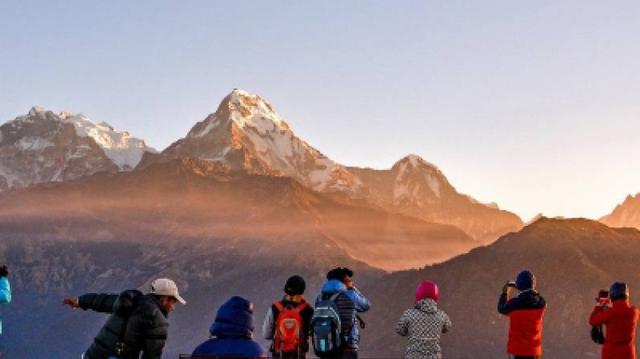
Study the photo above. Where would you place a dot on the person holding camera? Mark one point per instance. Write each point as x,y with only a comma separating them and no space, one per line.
525,312
620,319
5,297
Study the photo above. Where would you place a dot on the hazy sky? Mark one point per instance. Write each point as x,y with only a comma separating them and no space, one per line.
532,104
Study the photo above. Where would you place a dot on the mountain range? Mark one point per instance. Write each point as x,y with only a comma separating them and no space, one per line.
240,203
244,134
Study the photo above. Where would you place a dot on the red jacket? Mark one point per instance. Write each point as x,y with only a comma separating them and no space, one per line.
620,329
525,328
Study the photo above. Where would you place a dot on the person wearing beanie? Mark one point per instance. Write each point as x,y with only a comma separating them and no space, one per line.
424,323
232,332
620,320
525,312
287,322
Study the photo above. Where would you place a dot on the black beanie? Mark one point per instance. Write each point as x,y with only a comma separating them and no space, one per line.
339,273
295,285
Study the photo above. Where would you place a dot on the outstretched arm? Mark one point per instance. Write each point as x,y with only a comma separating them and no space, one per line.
102,303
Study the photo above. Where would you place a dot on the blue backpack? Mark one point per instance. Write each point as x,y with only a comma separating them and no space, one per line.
326,328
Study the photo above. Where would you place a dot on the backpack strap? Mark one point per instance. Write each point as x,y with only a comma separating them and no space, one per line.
278,305
334,297
120,345
301,306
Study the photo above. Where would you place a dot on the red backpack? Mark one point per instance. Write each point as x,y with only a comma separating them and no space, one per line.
288,337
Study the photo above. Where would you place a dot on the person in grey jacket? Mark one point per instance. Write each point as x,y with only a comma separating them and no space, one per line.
137,322
423,324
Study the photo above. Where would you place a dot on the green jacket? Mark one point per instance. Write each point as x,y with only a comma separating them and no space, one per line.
146,329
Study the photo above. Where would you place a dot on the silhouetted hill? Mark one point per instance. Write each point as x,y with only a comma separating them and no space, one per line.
572,259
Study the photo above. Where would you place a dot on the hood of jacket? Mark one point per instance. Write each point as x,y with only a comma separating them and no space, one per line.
333,286
427,305
234,319
531,299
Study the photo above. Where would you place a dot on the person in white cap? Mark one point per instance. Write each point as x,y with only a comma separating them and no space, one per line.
137,326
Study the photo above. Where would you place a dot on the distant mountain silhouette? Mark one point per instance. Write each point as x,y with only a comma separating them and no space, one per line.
419,189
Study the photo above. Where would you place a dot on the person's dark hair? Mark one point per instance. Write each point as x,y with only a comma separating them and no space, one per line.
339,273
295,285
4,271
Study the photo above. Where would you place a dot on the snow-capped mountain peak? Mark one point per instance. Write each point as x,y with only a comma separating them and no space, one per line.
43,146
247,133
414,175
245,110
123,149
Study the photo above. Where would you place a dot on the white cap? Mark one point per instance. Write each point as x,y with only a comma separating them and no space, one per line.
165,286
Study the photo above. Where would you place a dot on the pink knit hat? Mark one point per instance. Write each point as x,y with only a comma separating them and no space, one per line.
427,290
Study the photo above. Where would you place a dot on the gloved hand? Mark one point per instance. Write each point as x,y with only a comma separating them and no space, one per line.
72,302
4,271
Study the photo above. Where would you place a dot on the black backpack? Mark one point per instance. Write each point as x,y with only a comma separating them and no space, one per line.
124,307
326,328
597,334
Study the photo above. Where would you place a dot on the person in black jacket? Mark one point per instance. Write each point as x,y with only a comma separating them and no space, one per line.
137,324
525,312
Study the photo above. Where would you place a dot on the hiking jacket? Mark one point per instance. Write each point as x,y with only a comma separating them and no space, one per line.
349,303
232,332
525,314
146,329
422,325
5,295
269,325
620,321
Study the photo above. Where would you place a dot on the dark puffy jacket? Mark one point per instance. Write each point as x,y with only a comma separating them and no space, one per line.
525,313
620,334
349,303
146,329
232,332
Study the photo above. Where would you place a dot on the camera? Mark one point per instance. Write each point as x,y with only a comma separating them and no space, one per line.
603,297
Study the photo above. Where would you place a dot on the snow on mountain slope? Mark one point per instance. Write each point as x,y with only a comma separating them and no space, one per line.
42,146
419,189
122,148
247,134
